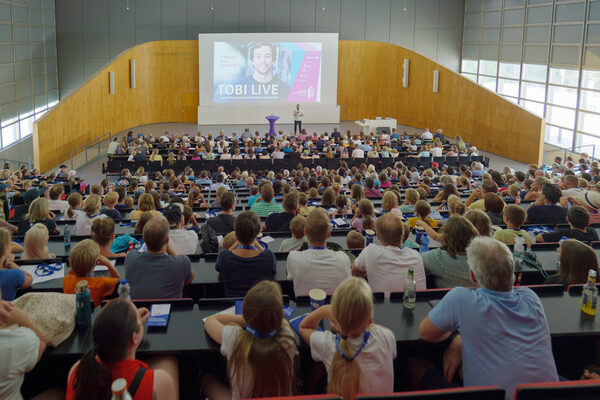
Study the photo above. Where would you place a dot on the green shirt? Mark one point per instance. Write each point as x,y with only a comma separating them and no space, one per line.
263,209
448,272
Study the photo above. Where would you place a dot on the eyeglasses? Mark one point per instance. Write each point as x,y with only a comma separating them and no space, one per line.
46,269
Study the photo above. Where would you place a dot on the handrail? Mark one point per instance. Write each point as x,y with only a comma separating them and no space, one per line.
96,141
19,162
555,148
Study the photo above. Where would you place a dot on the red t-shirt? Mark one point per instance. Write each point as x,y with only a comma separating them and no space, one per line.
124,369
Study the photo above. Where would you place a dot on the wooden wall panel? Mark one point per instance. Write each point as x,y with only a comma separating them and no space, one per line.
369,85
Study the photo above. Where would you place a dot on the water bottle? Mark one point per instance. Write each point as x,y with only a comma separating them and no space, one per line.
519,248
410,290
518,200
124,290
67,237
589,296
83,313
119,390
424,243
545,168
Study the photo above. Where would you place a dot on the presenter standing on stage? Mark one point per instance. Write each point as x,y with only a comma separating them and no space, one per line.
298,118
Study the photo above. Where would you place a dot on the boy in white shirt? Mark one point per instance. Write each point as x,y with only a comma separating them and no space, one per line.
318,267
386,265
182,240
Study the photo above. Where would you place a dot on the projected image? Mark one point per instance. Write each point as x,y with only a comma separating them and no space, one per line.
267,72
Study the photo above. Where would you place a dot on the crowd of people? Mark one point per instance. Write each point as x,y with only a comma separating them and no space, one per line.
497,330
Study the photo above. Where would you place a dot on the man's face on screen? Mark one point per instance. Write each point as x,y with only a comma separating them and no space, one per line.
263,60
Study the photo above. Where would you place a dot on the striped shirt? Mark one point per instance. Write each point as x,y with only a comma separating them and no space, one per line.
263,209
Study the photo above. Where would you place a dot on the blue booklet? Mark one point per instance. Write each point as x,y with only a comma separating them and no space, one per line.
287,311
159,315
295,324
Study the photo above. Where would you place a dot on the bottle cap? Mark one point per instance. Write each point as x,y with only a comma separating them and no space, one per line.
592,273
119,386
123,281
81,286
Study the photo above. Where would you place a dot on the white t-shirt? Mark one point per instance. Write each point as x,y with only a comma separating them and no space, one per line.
427,135
76,213
358,153
297,114
436,151
183,241
376,360
229,336
83,224
277,155
387,267
317,269
58,205
573,192
19,348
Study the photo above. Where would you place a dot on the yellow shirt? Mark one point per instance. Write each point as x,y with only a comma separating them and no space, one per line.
431,222
508,236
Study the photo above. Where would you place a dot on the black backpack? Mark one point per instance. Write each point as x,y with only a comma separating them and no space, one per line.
210,243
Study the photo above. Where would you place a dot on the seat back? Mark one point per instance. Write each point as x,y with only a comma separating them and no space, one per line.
468,393
579,390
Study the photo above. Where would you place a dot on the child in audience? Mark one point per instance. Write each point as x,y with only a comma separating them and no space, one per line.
493,207
117,332
355,241
389,203
12,278
129,201
480,221
189,218
82,260
228,240
386,265
145,204
110,200
364,217
341,203
259,345
253,195
305,209
297,228
317,267
513,217
411,196
578,219
103,233
422,211
456,206
36,243
576,259
246,262
359,359
75,202
91,208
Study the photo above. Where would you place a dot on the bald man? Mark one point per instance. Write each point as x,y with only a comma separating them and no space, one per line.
157,273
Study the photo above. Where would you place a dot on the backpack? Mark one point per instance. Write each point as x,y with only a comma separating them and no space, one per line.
210,243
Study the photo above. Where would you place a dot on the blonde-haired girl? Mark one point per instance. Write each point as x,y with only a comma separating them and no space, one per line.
39,211
36,243
75,202
359,358
91,210
259,345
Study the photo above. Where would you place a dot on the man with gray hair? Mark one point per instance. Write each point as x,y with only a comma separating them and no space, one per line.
504,338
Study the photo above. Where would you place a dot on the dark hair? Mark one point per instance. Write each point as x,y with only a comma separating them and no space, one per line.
111,335
551,192
247,227
227,200
578,217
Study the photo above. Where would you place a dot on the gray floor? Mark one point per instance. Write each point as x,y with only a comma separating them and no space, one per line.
92,171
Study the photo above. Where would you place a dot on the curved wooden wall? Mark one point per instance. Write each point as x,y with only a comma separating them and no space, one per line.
369,85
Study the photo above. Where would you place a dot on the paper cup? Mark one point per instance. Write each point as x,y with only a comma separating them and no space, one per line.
317,298
370,234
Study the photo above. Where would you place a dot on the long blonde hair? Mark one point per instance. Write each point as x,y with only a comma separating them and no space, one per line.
258,363
352,308
39,210
36,243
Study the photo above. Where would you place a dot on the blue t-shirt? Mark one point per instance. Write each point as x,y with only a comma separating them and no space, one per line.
11,280
252,199
239,274
505,336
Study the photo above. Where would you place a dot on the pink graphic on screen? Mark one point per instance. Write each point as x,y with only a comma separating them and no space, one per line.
306,84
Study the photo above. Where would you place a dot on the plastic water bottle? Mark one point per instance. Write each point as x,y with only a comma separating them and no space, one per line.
589,296
119,390
67,237
410,290
83,305
124,290
518,200
424,243
519,248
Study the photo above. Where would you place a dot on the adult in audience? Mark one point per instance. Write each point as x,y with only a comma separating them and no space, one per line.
103,233
317,267
157,273
545,210
386,265
575,260
590,200
182,240
426,135
448,263
246,262
220,178
476,199
280,222
579,220
370,190
223,223
117,332
265,205
504,337
571,186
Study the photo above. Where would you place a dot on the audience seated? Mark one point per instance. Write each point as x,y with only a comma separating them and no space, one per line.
575,259
265,204
110,201
12,278
579,220
545,210
91,209
280,222
297,226
36,243
157,273
224,222
103,233
513,217
181,240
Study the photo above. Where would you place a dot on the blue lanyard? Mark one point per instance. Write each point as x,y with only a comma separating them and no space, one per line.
362,346
253,331
317,247
46,269
247,247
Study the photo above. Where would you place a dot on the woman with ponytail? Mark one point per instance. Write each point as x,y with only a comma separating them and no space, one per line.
116,334
259,345
359,357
